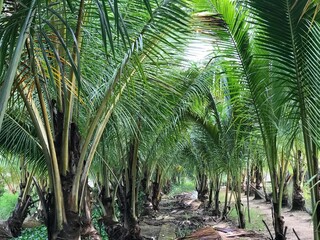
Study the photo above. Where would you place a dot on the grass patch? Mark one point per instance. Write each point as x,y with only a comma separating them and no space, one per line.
187,185
255,216
7,204
256,223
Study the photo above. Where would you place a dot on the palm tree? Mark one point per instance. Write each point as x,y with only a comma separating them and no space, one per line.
282,90
21,151
57,75
253,91
79,72
291,50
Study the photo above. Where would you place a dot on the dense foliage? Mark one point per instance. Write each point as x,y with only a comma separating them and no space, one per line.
107,102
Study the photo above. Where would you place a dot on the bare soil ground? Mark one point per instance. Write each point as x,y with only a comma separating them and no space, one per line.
300,221
184,217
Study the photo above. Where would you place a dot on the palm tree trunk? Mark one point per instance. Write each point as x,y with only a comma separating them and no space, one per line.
277,194
202,186
216,210
278,222
259,180
87,228
130,230
226,207
298,201
146,188
239,208
127,197
71,228
315,194
210,194
106,199
156,190
23,205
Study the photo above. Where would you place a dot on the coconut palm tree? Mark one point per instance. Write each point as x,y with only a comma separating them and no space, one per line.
282,90
21,151
61,79
254,91
291,50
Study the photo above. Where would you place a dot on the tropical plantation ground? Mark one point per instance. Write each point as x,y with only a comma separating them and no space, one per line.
181,214
106,106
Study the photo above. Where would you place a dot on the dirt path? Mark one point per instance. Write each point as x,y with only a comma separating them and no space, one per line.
298,220
184,216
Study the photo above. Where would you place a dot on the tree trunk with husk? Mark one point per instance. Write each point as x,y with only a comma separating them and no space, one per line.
19,214
106,200
316,192
258,176
72,228
24,202
226,208
298,201
130,220
156,190
87,228
210,200
166,188
12,228
278,219
252,180
241,217
202,187
278,223
285,197
146,188
216,209
239,205
106,196
130,229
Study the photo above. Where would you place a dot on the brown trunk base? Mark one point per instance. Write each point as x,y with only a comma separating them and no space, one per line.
114,232
89,232
19,214
298,202
202,196
70,231
242,222
278,223
156,196
148,209
280,237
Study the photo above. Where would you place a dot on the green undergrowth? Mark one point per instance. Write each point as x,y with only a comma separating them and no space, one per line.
37,233
186,185
40,233
96,214
256,218
7,204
